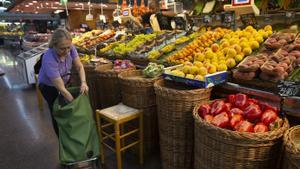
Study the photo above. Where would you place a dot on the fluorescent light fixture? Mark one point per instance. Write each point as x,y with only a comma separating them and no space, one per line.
30,3
34,1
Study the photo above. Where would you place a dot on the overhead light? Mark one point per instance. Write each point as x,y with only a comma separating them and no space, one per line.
18,10
30,3
103,5
26,6
34,1
36,12
38,7
56,3
47,3
76,4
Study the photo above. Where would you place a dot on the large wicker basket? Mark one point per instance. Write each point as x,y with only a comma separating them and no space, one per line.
292,148
109,93
138,92
175,103
217,148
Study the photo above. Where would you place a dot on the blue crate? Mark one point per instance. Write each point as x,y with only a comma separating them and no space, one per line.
209,81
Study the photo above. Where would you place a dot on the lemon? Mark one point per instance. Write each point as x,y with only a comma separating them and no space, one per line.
247,51
189,76
254,45
199,77
230,63
222,67
238,58
202,71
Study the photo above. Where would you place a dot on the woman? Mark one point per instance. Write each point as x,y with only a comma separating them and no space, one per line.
55,70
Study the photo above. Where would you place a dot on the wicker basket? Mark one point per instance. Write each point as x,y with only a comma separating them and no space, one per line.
219,148
137,91
109,93
292,148
175,104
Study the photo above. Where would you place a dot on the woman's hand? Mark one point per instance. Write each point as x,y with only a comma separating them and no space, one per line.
84,88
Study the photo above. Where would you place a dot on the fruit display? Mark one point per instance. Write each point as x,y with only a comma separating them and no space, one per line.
242,114
188,52
196,70
271,66
93,38
86,58
153,70
295,76
122,64
137,41
279,39
19,33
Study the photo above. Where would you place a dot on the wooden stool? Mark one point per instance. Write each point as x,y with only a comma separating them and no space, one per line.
39,94
118,115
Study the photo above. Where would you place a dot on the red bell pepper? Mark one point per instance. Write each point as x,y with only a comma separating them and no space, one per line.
204,110
228,107
241,101
244,126
208,118
231,98
252,101
260,127
265,106
236,118
269,116
253,112
217,107
236,111
221,120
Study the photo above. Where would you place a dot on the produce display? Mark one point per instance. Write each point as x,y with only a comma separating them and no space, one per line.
190,51
92,38
242,114
137,41
275,63
86,58
122,64
153,70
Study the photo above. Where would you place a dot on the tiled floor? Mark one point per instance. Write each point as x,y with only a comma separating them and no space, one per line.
27,138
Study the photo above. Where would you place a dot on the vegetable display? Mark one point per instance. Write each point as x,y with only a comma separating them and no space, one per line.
241,113
153,70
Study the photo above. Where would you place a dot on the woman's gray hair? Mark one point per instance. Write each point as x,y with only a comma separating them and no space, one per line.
58,35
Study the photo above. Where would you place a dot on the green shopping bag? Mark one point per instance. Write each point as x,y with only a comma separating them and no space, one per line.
78,137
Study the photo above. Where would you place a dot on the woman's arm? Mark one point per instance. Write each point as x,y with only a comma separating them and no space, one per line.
80,69
60,86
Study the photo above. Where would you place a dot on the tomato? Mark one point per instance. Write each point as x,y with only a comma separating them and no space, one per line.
253,112
244,126
231,98
221,120
217,107
260,127
269,116
208,118
204,110
241,100
236,118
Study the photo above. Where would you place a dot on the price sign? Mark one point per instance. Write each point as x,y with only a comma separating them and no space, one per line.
249,19
288,88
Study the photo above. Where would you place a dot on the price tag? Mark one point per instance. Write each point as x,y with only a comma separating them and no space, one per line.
249,19
288,88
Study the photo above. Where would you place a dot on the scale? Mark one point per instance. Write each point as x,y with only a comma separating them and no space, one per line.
241,7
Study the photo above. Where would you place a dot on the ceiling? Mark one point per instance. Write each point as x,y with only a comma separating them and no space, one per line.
49,6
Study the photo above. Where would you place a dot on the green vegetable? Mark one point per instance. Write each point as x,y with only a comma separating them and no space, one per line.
153,70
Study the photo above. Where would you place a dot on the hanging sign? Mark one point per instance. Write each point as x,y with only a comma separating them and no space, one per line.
241,2
64,1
